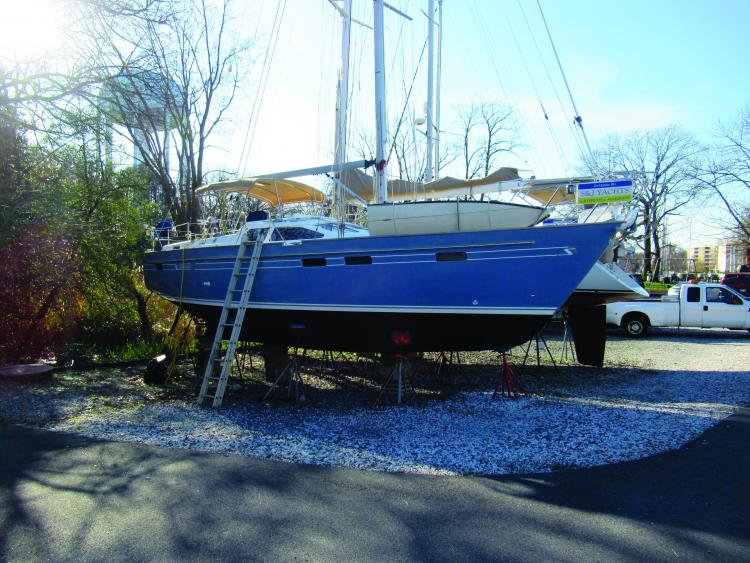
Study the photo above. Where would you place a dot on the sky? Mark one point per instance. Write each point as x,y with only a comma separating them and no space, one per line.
630,65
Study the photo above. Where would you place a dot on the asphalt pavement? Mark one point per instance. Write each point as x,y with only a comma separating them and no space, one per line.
64,497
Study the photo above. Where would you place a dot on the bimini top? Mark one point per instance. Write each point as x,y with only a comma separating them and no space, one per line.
273,191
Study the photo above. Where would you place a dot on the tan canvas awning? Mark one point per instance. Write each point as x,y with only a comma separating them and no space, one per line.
273,191
399,190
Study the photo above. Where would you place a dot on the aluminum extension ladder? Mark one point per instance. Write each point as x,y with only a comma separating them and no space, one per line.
232,315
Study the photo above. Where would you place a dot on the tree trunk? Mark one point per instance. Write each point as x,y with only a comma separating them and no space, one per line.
147,333
40,315
657,257
646,241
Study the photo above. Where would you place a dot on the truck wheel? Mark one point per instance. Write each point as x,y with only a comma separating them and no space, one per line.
635,325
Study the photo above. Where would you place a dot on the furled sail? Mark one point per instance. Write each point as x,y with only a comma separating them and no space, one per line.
401,190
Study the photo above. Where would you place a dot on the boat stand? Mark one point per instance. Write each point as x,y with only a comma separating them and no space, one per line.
507,381
537,338
401,386
293,383
447,369
568,347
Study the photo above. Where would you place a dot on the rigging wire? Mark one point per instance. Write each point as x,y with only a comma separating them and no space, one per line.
578,119
261,91
392,76
355,90
570,126
510,93
550,126
408,96
329,74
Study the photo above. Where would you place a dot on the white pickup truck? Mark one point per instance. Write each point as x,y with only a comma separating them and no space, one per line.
702,305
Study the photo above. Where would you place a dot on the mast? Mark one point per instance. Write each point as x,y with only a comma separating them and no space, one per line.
430,82
342,101
380,117
437,88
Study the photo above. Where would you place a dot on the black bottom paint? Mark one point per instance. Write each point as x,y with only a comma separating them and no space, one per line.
373,332
589,334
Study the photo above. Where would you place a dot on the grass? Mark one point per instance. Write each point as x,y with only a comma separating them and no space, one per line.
656,286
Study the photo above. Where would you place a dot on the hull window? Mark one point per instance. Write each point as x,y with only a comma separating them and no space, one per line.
355,260
450,256
313,262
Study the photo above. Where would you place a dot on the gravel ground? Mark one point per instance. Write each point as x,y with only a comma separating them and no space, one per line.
653,395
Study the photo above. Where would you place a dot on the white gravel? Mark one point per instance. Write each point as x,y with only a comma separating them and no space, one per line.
656,395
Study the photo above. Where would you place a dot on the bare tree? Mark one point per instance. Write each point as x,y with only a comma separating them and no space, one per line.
170,83
488,129
727,172
407,159
661,161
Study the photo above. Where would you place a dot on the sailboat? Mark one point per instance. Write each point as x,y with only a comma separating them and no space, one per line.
324,284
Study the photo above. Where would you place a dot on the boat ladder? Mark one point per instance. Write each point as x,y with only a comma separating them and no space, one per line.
219,365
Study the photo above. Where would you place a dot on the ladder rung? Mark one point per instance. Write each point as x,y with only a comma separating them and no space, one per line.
242,281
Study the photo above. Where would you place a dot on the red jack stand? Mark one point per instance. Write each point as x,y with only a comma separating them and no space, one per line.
508,382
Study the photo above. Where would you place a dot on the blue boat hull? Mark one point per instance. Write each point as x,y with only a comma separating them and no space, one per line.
455,291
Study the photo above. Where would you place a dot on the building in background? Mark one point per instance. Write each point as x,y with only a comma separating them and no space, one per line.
730,256
703,258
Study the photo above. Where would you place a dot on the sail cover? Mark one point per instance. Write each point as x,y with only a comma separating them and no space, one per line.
273,191
400,190
553,191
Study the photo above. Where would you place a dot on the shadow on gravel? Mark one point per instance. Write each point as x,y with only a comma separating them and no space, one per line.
68,498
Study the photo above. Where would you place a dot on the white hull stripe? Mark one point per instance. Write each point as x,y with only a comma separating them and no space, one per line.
474,310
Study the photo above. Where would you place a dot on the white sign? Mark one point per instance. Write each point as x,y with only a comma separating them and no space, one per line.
605,192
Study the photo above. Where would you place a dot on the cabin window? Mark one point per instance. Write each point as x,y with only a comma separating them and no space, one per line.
450,256
694,294
295,233
159,266
355,260
313,262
